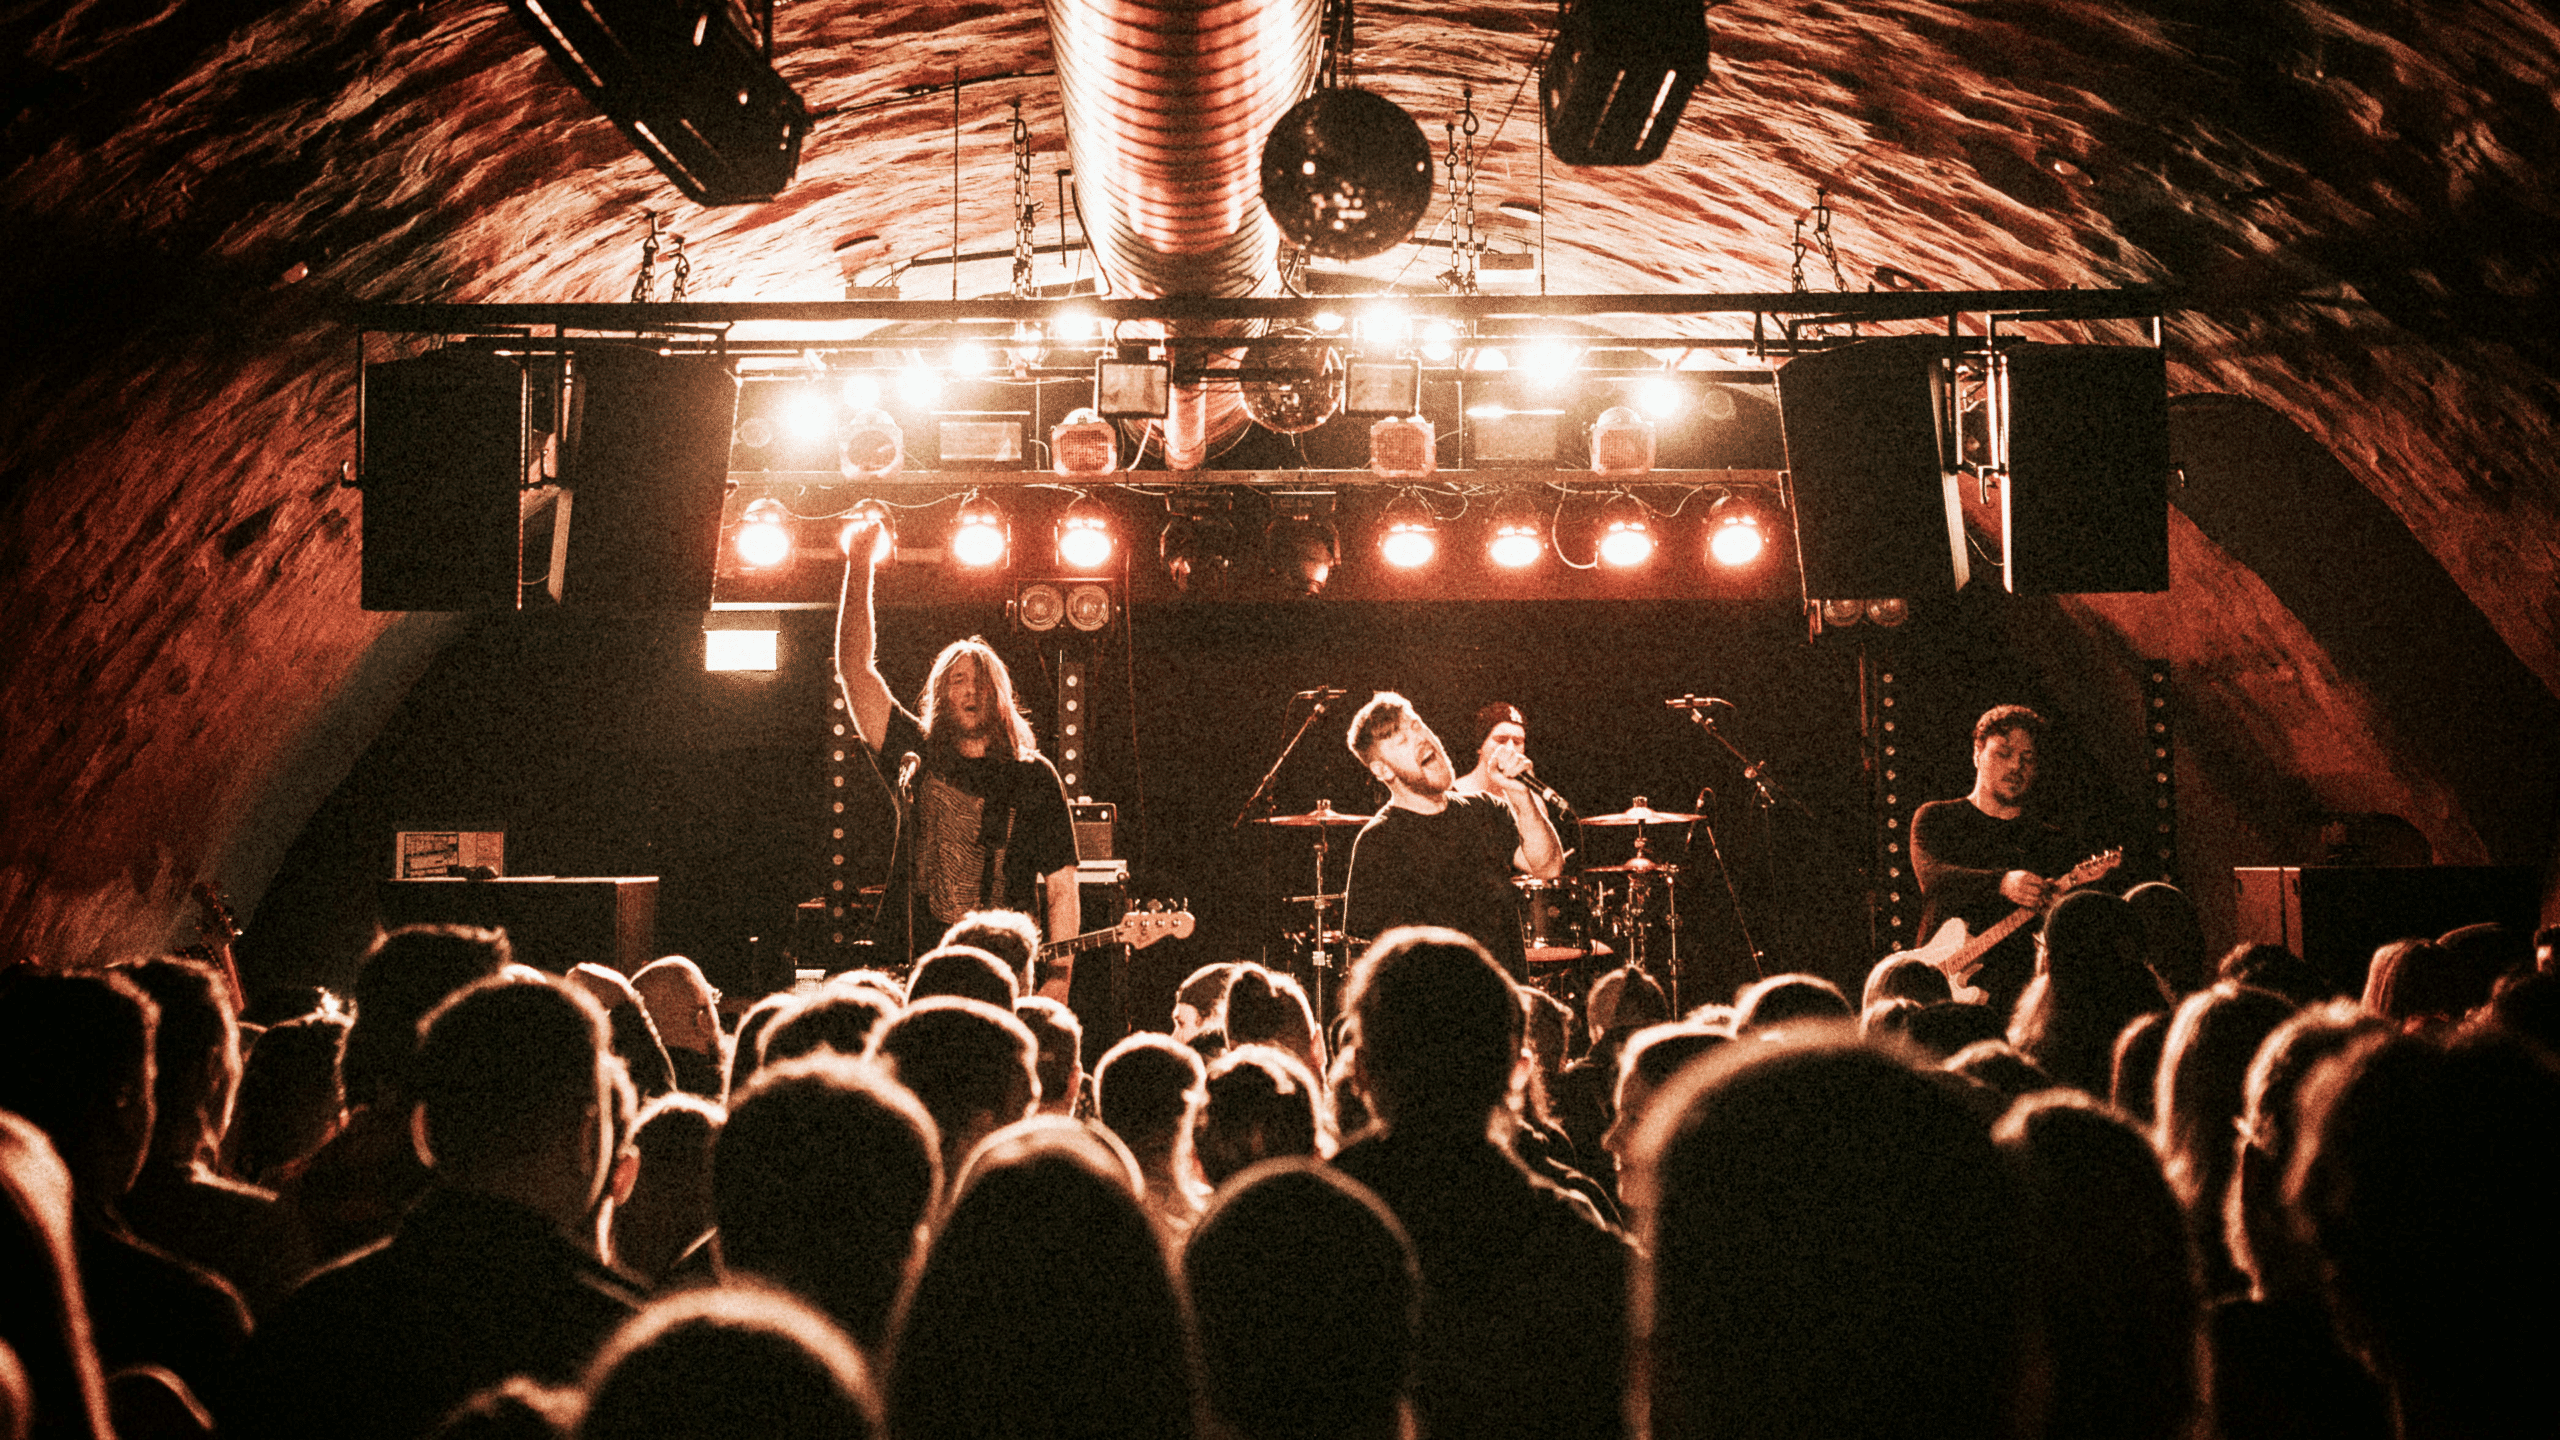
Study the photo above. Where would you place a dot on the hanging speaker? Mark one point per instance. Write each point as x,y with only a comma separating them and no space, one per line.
1876,510
443,469
647,466
1618,76
2084,432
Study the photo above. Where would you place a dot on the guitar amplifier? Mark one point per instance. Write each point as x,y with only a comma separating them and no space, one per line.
1094,820
2335,916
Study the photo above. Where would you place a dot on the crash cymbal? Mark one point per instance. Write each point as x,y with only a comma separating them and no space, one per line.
1318,901
1323,814
1642,814
1637,866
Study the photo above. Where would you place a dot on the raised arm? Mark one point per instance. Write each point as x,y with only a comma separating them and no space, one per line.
866,695
1541,853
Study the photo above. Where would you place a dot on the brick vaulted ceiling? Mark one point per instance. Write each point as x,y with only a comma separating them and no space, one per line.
2359,198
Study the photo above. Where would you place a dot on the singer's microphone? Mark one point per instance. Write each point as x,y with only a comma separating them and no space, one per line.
1322,692
1541,788
908,765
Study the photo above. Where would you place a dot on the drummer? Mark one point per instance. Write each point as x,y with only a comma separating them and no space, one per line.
1501,736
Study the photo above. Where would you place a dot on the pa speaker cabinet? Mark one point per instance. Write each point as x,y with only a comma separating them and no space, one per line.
1876,511
443,466
2085,443
555,922
647,470
2335,916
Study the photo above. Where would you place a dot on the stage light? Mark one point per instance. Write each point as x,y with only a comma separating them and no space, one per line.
1519,533
1490,359
1402,447
755,432
1084,535
808,415
1734,536
1084,444
861,392
968,357
1196,550
1386,387
1889,613
741,649
1436,341
1548,362
1840,614
1029,345
1327,321
1302,551
1129,386
920,386
872,445
1078,325
872,518
1617,77
763,539
1621,442
978,534
1411,535
1662,399
1626,535
1383,329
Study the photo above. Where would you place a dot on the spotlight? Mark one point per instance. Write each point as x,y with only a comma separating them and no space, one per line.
1889,613
871,517
1621,442
1548,362
1662,399
1084,535
1028,346
1079,325
1084,444
1626,535
1196,550
1402,447
1383,329
968,357
763,540
978,534
1491,359
1839,614
1411,536
1519,533
1328,322
920,386
1734,536
872,445
1302,551
1618,76
808,415
1129,386
861,392
1436,341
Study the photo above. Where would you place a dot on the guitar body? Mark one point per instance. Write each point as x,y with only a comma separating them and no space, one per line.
1956,952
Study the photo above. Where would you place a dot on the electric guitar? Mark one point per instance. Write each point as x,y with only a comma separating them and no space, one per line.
220,931
1958,956
1138,929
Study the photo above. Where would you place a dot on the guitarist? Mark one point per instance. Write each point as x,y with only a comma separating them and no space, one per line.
982,818
1981,857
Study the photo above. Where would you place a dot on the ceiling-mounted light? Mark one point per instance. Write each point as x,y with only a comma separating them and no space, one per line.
871,518
861,391
1302,551
1084,535
1618,76
1621,442
1519,533
969,357
808,415
1403,447
1890,612
1840,614
1129,386
1734,533
1327,321
871,445
1626,533
1661,398
763,538
920,386
1409,535
978,538
1488,358
1438,341
1548,362
1346,174
1196,550
1084,444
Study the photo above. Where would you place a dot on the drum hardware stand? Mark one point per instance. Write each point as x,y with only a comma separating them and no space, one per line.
1766,794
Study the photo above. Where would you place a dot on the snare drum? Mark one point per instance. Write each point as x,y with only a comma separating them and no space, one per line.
1555,926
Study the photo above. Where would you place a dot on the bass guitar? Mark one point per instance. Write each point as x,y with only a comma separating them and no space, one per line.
1954,953
1138,929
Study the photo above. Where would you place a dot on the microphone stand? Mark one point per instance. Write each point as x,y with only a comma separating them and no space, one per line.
1767,795
1263,786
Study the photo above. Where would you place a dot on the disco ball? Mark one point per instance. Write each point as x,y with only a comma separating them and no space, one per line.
1346,174
1305,400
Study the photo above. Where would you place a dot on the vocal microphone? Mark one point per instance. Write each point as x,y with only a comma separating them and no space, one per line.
1542,789
1698,702
1322,692
908,765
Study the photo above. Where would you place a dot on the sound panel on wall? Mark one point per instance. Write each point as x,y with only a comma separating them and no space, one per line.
2085,443
1876,514
647,466
442,469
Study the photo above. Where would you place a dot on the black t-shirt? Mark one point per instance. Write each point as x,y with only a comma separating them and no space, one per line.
975,833
1452,869
1959,855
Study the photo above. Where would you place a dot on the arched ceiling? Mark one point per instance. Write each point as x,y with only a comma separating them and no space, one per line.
2357,197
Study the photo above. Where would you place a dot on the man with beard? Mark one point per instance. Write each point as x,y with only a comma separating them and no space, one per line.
1437,856
982,819
1981,856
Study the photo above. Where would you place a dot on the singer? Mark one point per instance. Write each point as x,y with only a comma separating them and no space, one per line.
1502,749
1434,855
982,818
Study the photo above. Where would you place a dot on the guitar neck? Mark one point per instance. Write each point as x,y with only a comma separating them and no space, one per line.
1078,944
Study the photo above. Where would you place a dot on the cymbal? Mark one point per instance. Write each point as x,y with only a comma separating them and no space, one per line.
1642,814
1323,814
1637,866
1317,900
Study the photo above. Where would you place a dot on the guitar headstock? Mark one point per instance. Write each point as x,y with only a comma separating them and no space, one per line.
2092,869
1142,928
216,920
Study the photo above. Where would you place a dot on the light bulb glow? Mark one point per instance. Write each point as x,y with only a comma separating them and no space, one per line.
1436,338
1658,398
808,415
1407,546
1626,538
1737,541
763,540
1327,321
861,392
1491,358
970,358
977,536
1516,547
1549,362
872,522
919,386
1084,539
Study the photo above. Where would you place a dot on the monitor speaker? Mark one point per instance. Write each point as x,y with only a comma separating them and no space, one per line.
1876,512
2085,444
443,465
647,469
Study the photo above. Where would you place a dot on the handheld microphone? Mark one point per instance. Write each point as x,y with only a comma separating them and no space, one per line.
1541,788
908,765
1322,692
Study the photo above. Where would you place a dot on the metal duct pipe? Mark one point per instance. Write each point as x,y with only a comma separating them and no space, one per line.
1167,103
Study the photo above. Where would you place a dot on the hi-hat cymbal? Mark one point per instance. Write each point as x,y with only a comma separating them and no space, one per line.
1643,814
1323,814
1637,866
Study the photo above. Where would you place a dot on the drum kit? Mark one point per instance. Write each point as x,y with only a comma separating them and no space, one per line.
1572,927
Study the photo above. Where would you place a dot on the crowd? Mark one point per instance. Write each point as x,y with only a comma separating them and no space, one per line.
2163,1198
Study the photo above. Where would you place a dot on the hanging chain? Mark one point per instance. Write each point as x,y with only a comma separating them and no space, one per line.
1464,246
1333,69
1822,236
648,263
683,269
1024,209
